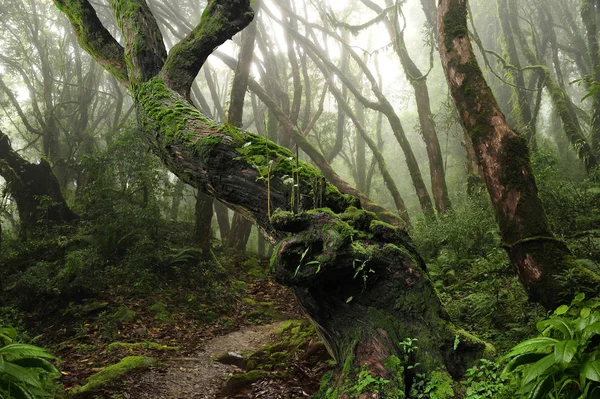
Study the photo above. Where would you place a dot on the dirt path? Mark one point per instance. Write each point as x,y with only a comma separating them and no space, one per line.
197,377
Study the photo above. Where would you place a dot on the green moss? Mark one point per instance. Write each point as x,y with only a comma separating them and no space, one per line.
238,381
292,337
140,345
125,315
455,24
162,314
168,114
441,385
252,302
489,351
113,373
395,367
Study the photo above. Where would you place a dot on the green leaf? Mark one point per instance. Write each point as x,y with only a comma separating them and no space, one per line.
562,309
349,299
538,369
585,312
23,375
38,363
564,351
522,359
578,298
559,324
591,370
532,345
24,350
8,334
541,388
591,330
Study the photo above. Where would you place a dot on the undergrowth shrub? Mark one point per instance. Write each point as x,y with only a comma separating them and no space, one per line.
473,275
571,205
563,361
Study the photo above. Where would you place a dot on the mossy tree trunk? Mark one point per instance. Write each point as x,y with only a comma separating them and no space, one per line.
35,189
359,279
504,158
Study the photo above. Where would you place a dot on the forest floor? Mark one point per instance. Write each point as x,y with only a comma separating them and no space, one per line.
185,349
199,376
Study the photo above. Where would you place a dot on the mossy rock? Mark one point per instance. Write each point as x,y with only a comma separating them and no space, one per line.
236,382
112,374
293,337
161,313
125,315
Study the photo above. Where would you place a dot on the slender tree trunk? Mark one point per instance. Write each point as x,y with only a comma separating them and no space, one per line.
504,157
560,99
204,214
361,159
521,107
382,105
428,130
340,127
223,219
176,200
240,226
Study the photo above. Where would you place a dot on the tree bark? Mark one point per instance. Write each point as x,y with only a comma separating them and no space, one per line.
359,279
504,158
35,189
223,219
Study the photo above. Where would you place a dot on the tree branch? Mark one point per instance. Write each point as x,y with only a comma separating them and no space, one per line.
95,38
220,21
145,51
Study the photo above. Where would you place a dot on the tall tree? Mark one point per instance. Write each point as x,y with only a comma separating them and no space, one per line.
504,157
382,103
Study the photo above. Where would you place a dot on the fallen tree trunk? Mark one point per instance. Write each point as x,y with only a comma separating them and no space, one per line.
358,279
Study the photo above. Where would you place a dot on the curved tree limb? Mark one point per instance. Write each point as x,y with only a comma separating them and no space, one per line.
95,38
219,22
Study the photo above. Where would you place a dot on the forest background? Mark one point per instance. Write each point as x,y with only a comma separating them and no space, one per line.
103,241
